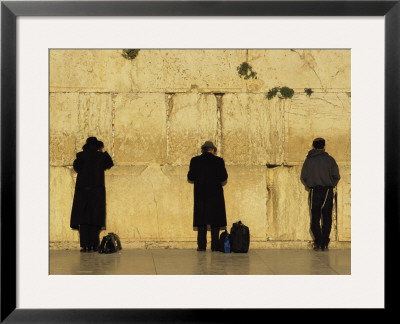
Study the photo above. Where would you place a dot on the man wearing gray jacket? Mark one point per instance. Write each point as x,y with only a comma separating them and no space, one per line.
320,174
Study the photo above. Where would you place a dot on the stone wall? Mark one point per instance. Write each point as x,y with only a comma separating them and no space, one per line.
154,112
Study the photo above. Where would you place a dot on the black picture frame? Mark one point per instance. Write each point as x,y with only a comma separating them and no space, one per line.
10,10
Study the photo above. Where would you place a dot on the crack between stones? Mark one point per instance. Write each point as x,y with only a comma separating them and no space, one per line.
337,96
155,201
328,102
169,107
284,124
113,96
302,57
219,134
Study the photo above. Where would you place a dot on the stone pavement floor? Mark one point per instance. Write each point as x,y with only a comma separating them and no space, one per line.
192,262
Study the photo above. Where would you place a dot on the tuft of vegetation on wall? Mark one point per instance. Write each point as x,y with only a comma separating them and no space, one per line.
272,93
246,71
308,91
285,92
130,54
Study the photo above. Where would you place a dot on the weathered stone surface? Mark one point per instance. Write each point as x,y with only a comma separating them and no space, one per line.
149,203
155,112
183,70
140,128
61,191
192,120
288,211
246,199
344,204
64,110
321,115
89,71
252,129
155,204
75,117
211,70
176,211
299,69
95,118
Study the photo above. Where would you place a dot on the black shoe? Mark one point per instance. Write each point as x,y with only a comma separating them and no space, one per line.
316,247
200,249
324,247
95,248
84,249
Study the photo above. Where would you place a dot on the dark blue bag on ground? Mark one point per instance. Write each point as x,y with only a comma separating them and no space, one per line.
224,242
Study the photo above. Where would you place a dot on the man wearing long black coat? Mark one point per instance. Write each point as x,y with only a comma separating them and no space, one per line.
208,173
89,205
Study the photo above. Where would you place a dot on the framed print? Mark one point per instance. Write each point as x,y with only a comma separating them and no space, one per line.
35,32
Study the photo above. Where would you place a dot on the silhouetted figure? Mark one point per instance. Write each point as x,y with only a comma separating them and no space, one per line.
89,205
320,173
208,172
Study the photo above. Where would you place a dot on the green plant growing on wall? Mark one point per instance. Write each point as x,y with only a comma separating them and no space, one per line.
245,70
272,93
308,91
285,92
130,54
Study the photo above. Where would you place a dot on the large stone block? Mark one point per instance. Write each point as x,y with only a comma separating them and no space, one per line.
153,203
344,204
321,115
140,134
182,70
210,70
61,194
252,129
192,120
75,117
95,118
246,199
299,69
89,71
288,210
176,210
64,127
150,203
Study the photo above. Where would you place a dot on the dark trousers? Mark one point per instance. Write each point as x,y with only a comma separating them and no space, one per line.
202,237
89,235
321,203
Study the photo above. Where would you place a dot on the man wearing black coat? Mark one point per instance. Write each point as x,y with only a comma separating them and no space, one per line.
89,205
320,174
208,173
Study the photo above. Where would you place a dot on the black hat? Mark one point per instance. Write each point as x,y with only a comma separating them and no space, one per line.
208,145
91,143
91,140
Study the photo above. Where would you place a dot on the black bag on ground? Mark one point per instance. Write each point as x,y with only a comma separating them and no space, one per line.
240,238
110,244
224,242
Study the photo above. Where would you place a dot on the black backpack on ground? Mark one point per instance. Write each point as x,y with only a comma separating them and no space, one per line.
224,242
240,238
110,244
